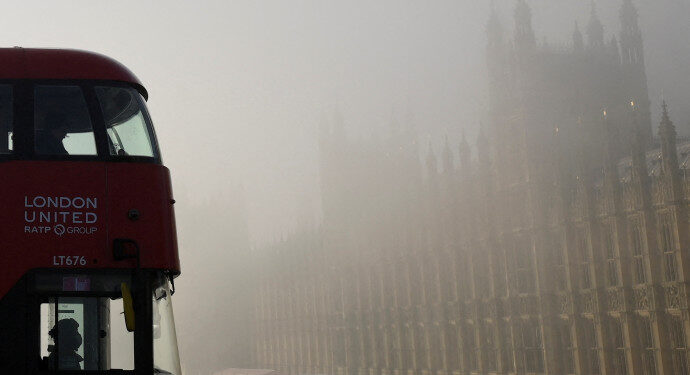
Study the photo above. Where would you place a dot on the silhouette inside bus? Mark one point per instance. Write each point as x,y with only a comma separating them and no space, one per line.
67,341
49,141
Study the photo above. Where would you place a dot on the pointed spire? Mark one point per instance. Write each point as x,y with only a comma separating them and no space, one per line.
614,50
494,29
431,164
338,123
629,17
667,134
631,37
578,43
595,30
666,127
464,151
482,147
524,34
639,148
447,158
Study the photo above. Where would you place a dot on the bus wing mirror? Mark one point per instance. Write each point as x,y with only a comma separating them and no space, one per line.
128,306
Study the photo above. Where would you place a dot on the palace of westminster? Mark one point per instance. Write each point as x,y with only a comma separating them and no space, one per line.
560,246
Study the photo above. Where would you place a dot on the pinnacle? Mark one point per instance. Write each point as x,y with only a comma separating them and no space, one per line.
666,126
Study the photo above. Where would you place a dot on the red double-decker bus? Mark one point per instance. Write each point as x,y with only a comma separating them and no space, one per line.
88,248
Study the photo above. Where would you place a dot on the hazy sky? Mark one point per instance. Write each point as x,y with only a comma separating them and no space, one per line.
238,88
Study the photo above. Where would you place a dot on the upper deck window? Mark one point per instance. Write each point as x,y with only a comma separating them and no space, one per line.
6,119
62,121
126,122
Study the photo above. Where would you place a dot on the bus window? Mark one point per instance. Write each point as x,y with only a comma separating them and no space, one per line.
129,134
6,119
166,358
85,333
62,122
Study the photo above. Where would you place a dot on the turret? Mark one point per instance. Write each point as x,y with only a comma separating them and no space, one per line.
631,36
494,32
524,34
632,58
431,164
669,156
496,61
447,158
595,30
667,134
464,152
614,51
578,42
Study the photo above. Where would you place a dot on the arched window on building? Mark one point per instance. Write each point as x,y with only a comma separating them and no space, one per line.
470,348
452,350
609,239
432,280
416,283
618,337
582,247
668,247
482,273
648,345
500,287
402,285
638,251
490,352
420,346
524,265
558,261
567,346
407,341
679,347
507,359
533,346
592,345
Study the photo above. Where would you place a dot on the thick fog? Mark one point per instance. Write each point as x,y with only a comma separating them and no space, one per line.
239,89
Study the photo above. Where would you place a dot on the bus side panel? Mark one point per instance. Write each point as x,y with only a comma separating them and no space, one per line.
144,189
53,215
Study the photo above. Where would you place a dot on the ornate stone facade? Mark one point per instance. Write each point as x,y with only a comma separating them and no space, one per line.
562,248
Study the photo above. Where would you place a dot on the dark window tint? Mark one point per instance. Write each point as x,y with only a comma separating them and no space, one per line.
6,119
62,122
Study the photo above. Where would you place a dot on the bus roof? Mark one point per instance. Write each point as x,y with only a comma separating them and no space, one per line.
39,63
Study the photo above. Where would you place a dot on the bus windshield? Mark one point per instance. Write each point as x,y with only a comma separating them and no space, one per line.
127,123
166,359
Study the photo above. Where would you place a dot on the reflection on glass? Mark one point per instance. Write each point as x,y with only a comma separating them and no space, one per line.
125,120
166,359
62,122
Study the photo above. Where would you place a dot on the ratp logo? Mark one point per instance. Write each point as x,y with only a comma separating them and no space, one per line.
59,229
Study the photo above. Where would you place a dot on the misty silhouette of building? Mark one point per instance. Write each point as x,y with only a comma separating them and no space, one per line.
562,248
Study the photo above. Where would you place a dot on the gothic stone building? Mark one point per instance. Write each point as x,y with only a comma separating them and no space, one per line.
561,248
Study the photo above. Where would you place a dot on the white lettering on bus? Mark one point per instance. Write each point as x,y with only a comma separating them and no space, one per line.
40,201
